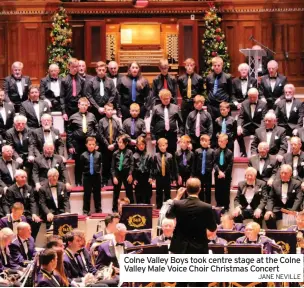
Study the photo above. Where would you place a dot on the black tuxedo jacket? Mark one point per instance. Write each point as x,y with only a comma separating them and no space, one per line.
288,159
47,93
245,119
237,94
265,90
27,109
10,114
37,141
197,162
278,142
295,120
294,196
259,199
47,202
270,166
193,217
5,177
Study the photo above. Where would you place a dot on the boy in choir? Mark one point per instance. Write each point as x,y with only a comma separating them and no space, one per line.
108,131
165,172
134,126
198,122
122,169
184,159
142,173
226,124
90,162
202,167
166,121
223,162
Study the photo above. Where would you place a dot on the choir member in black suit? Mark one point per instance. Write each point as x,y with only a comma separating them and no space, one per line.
142,173
252,113
163,81
16,86
12,220
285,193
203,166
214,239
271,89
82,71
166,121
108,131
81,125
225,124
134,127
290,111
190,85
227,223
122,168
7,114
198,122
167,226
34,108
47,133
165,172
46,161
219,87
23,193
274,135
50,88
133,88
265,164
241,86
184,159
101,90
251,198
71,90
90,163
299,226
223,162
53,197
113,72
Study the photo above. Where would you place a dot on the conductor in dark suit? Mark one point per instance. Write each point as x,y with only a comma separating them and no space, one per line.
7,114
16,86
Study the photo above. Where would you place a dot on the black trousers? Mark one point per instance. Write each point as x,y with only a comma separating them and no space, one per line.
187,107
143,189
271,223
222,191
106,164
122,177
206,182
163,188
248,214
34,226
250,130
172,141
91,184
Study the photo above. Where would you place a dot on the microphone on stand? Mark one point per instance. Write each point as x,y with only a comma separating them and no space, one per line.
250,38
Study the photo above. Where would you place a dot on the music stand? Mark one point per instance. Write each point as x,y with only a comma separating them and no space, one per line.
139,237
245,249
148,249
274,248
229,236
217,248
286,239
253,59
137,216
64,223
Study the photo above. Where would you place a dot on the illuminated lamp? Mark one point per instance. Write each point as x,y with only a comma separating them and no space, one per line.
140,3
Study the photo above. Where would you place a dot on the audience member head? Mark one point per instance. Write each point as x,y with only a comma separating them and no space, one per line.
300,220
205,141
134,70
17,210
168,226
252,231
108,109
54,71
199,102
53,176
48,149
224,109
253,95
24,230
272,67
263,149
110,221
285,172
81,234
83,105
244,70
20,122
134,110
91,144
2,96
34,93
55,242
296,144
217,65
123,141
7,152
250,175
17,69
184,143
289,92
193,186
121,202
113,68
162,144
211,235
73,64
227,221
82,67
141,143
6,237
48,260
120,232
189,64
165,96
46,122
163,66
270,119
222,140
101,69
73,242
21,177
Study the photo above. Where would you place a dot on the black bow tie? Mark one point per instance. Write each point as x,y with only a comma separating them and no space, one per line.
54,79
168,238
18,79
272,78
285,182
263,158
16,221
8,162
120,244
248,186
47,130
53,186
251,242
244,79
269,130
35,102
295,155
112,76
253,104
1,104
288,100
49,158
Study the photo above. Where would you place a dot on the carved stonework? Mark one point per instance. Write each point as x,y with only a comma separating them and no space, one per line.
110,47
172,46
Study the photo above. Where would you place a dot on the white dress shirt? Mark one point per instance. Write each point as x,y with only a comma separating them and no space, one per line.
54,194
55,88
37,112
249,195
10,169
261,165
288,108
252,109
119,250
295,160
284,192
101,88
272,84
114,80
48,137
268,137
20,90
3,114
244,85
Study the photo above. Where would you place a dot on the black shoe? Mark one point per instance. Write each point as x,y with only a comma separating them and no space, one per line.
244,155
98,211
86,213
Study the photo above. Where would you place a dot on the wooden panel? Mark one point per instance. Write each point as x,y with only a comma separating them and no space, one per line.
78,41
13,46
3,51
233,46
